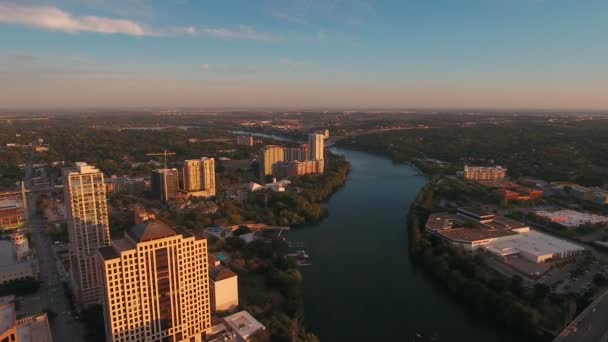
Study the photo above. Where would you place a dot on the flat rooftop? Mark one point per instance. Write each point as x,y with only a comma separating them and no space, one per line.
34,328
243,324
571,218
474,234
476,211
7,253
535,243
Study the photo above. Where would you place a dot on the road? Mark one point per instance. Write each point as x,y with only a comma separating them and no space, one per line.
51,295
590,326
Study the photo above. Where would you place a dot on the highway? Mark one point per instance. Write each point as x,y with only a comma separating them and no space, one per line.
590,326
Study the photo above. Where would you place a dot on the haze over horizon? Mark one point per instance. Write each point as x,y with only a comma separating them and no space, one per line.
304,54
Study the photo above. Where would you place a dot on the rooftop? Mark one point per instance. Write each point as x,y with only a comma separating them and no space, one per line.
218,273
151,230
243,324
474,234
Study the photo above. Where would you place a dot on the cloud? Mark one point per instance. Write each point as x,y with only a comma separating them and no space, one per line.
290,62
55,19
232,69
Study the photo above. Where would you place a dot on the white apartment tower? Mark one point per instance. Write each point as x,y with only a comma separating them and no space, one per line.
156,285
199,177
315,146
88,228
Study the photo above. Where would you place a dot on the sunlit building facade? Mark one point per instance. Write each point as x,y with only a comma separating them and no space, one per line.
199,177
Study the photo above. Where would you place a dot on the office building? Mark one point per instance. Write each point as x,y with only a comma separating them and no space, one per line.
299,153
316,144
245,140
16,259
164,184
28,329
156,285
268,156
127,185
12,209
88,228
199,177
484,173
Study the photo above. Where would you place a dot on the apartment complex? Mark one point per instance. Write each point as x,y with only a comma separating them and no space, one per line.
28,329
128,185
298,168
164,184
316,144
299,153
156,285
224,286
88,228
484,173
246,140
199,177
268,156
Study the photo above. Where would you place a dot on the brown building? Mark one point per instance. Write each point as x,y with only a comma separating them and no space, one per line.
299,153
156,285
298,168
484,173
12,210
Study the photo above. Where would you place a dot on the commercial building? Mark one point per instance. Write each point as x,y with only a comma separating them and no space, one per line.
276,186
246,140
520,194
224,286
12,210
300,153
571,218
88,227
476,230
165,184
268,156
243,324
128,185
316,145
484,173
199,177
156,285
298,168
16,259
28,329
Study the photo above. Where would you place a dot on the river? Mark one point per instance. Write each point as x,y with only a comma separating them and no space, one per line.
361,285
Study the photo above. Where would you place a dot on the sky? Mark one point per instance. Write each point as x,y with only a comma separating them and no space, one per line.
520,54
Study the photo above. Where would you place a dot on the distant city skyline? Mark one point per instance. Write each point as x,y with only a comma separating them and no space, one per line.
490,54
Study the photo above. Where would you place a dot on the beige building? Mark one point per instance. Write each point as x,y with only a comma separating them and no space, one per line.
299,153
16,259
224,286
484,173
28,329
88,228
156,285
199,177
270,155
316,143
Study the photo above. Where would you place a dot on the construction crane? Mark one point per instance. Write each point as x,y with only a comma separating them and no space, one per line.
164,154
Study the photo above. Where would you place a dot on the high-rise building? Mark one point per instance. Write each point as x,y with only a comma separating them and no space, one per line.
484,173
88,228
315,144
164,184
246,140
270,155
297,168
156,285
299,153
199,177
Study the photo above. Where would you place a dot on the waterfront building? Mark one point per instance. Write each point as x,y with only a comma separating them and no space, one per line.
268,156
316,144
246,140
199,177
224,286
88,228
484,173
165,184
298,168
27,329
299,153
243,324
156,285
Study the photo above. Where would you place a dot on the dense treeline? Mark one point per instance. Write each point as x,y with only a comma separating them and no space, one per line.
534,313
555,151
